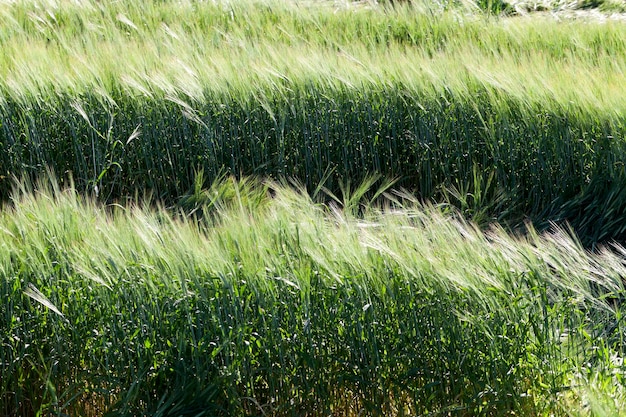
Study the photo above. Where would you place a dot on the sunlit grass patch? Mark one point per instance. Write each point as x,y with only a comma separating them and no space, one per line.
271,301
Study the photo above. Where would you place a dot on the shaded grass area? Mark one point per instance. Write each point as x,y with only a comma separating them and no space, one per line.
272,304
554,166
526,116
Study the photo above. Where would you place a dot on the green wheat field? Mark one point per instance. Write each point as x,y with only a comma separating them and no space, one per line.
312,208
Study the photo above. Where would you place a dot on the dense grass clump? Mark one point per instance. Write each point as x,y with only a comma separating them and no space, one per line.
270,304
135,98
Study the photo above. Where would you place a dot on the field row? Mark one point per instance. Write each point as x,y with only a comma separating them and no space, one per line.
508,118
276,305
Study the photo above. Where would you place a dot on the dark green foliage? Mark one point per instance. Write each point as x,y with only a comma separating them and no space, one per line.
226,348
137,145
495,6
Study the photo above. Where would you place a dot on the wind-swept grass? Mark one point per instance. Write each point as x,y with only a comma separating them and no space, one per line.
250,297
131,97
273,304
